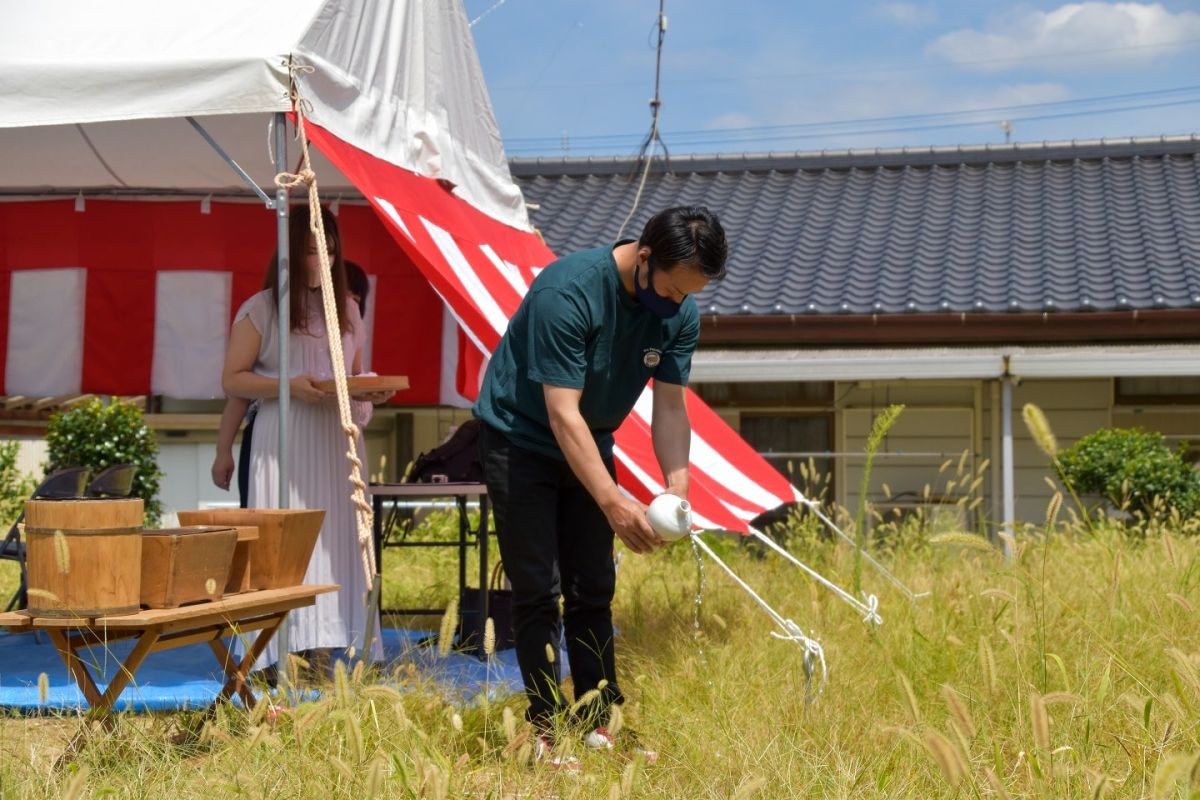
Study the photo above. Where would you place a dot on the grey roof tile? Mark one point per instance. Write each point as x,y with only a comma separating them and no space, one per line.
1051,227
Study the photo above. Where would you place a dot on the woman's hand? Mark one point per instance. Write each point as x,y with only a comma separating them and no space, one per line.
222,470
303,389
375,398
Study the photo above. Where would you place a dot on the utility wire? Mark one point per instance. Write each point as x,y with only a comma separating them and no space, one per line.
944,125
615,138
818,133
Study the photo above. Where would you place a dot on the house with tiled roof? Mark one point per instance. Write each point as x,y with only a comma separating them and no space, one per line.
963,282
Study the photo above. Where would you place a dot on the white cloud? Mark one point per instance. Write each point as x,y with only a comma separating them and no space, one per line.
903,98
1074,35
910,15
730,119
895,98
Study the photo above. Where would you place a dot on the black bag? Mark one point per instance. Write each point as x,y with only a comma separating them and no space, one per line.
455,460
472,621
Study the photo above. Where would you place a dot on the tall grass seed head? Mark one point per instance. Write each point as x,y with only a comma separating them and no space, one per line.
449,624
1040,430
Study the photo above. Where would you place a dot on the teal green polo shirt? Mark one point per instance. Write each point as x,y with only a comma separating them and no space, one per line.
577,328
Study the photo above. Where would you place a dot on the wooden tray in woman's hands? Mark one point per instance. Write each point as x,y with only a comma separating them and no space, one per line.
365,384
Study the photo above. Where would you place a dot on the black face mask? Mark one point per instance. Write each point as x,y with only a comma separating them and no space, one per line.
654,302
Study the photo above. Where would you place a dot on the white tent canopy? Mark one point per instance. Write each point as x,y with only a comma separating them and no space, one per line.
94,94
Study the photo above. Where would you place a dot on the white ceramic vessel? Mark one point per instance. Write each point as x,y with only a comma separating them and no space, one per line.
670,516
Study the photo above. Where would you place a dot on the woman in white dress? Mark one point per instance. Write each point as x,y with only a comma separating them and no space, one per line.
317,466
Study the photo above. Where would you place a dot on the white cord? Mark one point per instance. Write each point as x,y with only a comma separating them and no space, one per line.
882,570
637,198
869,606
813,654
495,5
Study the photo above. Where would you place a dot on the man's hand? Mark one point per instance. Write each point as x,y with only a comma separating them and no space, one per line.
628,520
222,470
303,389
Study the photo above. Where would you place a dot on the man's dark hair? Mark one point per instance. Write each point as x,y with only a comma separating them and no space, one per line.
689,235
359,285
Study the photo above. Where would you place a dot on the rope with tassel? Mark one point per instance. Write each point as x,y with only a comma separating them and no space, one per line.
333,331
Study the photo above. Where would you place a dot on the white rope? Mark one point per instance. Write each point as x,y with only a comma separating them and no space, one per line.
868,607
813,653
495,5
882,570
333,332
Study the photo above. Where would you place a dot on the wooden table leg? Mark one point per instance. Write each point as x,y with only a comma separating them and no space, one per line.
145,645
236,675
76,667
100,705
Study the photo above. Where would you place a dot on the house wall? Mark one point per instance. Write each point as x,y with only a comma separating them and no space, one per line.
917,463
949,431
1074,408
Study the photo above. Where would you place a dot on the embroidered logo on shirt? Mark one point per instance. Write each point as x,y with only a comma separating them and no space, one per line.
651,357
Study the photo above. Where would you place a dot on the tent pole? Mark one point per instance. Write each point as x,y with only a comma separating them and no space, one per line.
284,264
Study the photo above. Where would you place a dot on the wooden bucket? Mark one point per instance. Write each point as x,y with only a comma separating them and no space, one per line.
84,557
286,537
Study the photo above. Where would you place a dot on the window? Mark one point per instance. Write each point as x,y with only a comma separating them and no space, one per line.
796,444
1154,391
785,394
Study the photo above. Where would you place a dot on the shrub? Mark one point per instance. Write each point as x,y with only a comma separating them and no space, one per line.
98,434
1134,470
15,488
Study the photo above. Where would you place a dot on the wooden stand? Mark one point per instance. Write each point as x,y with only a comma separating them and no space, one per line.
166,629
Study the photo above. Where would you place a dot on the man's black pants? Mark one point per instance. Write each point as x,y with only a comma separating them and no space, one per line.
555,542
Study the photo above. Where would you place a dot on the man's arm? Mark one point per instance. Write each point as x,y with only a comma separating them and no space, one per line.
627,517
671,433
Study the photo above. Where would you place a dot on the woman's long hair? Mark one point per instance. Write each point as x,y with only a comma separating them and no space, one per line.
298,294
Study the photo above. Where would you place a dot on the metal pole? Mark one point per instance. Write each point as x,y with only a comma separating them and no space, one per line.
1006,421
284,317
996,507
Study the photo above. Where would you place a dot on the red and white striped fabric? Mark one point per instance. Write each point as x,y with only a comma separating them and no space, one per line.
482,268
136,297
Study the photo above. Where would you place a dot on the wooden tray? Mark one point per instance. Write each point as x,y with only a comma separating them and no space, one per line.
358,384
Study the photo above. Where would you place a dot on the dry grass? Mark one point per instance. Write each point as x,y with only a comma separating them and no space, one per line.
1074,672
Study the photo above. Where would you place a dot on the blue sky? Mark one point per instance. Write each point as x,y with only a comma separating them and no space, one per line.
574,76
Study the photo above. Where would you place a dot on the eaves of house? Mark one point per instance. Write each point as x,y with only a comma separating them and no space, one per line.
1048,243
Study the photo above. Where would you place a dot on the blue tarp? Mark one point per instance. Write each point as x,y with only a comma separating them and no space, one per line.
189,677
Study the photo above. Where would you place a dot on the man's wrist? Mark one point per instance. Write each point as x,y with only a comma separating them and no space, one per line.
609,497
678,488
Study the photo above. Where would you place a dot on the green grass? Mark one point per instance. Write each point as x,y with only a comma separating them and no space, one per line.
1073,672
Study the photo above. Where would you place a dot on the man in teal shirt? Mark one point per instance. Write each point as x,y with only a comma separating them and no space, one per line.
593,329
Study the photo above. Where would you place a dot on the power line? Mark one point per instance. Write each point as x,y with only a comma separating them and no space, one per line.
949,125
947,118
898,129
